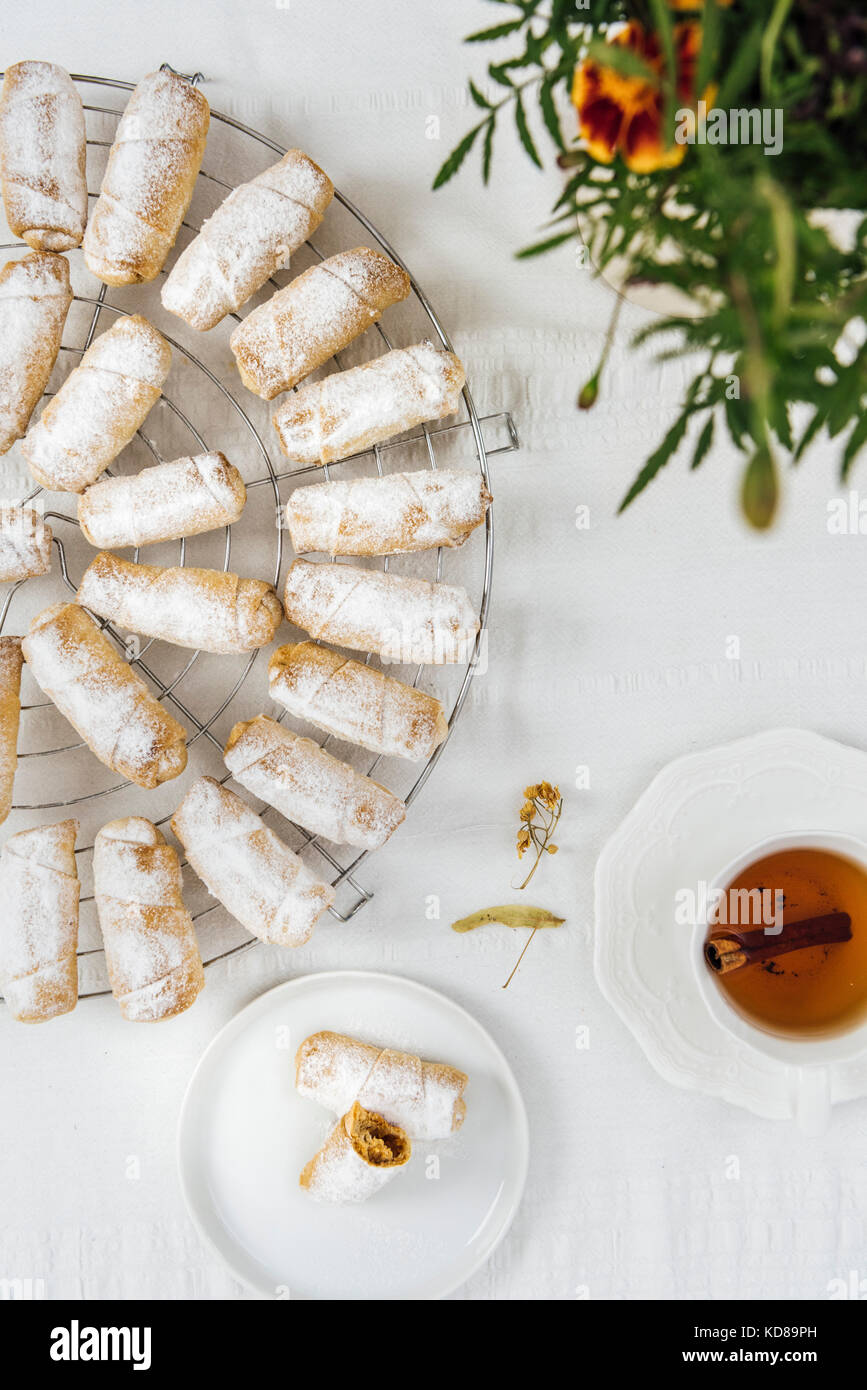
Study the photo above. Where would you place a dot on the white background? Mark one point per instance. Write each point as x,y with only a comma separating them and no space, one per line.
607,649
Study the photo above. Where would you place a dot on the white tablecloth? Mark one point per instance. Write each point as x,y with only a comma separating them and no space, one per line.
607,649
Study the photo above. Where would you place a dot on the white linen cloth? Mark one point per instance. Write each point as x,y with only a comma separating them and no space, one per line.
607,650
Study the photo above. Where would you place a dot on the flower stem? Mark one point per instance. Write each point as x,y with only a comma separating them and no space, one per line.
590,389
548,829
532,871
529,939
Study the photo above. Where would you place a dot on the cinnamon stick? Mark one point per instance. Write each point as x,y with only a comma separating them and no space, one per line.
732,950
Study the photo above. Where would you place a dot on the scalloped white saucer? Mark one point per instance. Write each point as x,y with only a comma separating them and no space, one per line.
697,815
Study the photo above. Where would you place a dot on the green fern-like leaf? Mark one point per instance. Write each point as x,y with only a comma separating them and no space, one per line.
705,440
452,164
478,98
541,246
524,132
659,458
488,150
549,113
496,31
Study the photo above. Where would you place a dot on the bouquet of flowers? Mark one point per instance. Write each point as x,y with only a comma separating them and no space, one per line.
716,147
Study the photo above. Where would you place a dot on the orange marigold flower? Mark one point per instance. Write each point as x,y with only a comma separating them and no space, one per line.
624,115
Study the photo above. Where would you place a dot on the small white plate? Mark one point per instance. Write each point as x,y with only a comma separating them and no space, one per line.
701,812
245,1134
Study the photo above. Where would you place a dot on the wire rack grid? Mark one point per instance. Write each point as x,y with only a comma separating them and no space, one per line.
243,150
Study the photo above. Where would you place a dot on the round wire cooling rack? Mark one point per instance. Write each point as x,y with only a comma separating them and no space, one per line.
209,693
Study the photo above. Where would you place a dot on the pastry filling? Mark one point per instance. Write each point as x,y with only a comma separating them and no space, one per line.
376,1141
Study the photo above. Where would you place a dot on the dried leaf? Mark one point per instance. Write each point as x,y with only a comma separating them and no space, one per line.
509,915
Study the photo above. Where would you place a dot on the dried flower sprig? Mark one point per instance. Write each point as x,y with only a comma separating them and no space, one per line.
542,809
540,814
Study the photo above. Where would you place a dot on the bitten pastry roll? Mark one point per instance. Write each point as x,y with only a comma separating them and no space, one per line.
25,544
39,924
352,410
309,786
35,295
250,235
212,610
151,951
316,315
149,179
400,618
102,697
356,702
361,1154
42,151
424,1098
387,516
163,503
247,867
10,710
99,407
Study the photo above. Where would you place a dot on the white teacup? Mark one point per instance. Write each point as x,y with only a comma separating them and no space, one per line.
809,1058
